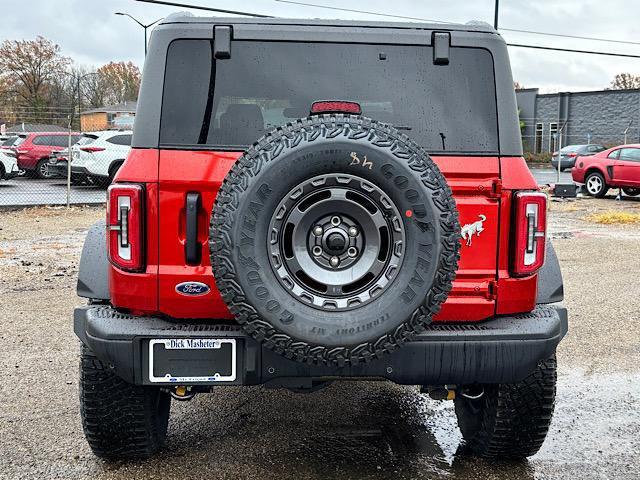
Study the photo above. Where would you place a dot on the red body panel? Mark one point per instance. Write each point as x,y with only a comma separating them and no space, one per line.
182,172
29,154
616,172
475,185
482,187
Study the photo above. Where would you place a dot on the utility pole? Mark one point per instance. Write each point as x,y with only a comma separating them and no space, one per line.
559,138
142,25
69,166
626,130
495,15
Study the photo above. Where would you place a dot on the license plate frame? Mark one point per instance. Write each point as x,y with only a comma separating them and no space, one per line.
204,346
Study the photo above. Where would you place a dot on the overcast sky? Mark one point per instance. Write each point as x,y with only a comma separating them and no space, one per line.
90,33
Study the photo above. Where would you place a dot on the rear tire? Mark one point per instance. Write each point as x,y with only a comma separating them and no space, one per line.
113,169
120,420
596,185
631,192
42,169
510,420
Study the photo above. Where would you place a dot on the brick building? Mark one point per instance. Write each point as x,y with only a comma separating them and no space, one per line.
584,117
105,118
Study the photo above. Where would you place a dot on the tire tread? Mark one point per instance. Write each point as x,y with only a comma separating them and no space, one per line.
267,149
120,420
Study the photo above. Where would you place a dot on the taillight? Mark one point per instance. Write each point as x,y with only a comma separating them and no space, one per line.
336,106
572,154
125,213
530,221
91,149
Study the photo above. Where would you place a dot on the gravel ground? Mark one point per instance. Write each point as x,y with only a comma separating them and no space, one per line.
349,430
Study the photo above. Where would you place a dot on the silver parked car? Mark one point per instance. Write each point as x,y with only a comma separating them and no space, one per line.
569,154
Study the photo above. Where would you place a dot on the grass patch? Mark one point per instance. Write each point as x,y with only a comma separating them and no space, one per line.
613,217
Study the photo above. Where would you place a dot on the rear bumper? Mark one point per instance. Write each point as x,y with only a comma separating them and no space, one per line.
12,174
501,350
577,175
77,173
60,169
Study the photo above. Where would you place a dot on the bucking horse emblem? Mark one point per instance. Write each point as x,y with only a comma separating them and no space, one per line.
471,229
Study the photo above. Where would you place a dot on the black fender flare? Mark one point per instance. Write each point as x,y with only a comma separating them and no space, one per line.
93,274
550,286
113,164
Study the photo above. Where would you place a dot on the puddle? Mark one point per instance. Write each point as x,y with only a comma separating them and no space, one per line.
381,431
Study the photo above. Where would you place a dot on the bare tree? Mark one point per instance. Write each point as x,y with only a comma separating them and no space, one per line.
94,89
38,83
120,82
30,66
624,81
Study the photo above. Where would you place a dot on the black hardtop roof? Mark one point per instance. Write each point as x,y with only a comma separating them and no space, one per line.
184,25
185,17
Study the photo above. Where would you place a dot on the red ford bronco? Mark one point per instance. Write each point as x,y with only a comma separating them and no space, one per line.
312,200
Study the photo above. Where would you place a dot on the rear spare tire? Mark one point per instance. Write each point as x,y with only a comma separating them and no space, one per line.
334,239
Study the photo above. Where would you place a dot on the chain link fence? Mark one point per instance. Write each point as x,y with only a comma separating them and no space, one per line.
34,154
35,149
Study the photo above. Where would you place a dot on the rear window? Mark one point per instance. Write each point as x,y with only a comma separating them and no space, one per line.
230,103
595,148
124,139
55,140
571,148
86,139
9,141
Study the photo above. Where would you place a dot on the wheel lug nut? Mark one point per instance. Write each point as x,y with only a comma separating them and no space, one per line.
317,230
352,252
336,220
353,231
335,261
317,251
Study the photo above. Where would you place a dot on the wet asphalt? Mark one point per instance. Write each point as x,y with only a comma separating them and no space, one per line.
358,430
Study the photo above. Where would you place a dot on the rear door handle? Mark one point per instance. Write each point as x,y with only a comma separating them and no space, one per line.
192,249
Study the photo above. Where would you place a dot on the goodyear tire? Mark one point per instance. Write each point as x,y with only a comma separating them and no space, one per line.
120,420
510,420
334,239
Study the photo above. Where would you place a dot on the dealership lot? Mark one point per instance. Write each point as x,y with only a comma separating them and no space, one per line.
371,430
23,191
28,191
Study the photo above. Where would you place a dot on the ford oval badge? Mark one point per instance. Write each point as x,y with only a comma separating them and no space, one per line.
192,289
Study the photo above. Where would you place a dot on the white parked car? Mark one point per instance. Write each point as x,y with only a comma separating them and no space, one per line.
95,158
8,165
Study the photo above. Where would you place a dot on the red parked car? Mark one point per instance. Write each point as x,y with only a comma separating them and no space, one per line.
34,150
617,167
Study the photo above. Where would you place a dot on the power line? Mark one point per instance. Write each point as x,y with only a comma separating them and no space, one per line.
366,12
379,14
353,10
595,39
572,50
210,9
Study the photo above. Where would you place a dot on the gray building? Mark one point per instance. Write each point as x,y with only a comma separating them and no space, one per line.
583,117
